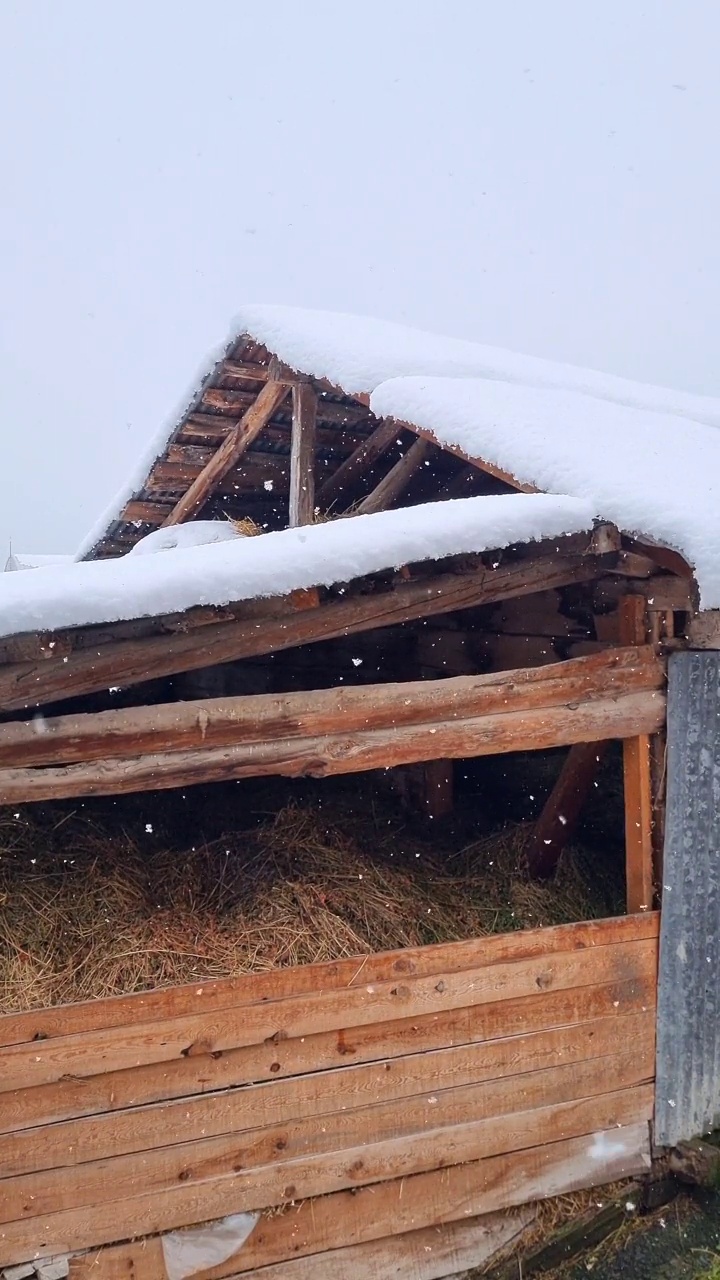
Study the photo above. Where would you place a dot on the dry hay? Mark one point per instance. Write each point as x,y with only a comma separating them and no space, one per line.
86,912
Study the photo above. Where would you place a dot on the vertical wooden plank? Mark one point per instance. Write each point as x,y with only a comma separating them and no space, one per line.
302,454
438,798
559,817
637,780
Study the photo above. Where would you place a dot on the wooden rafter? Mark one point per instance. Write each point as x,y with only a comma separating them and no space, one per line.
89,670
302,454
362,458
479,463
397,479
557,822
232,448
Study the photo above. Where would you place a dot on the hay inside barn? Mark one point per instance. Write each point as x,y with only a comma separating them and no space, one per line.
109,898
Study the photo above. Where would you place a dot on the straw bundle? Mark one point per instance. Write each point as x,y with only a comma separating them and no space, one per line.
87,912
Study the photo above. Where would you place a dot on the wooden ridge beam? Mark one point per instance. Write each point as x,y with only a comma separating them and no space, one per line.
240,439
320,757
47,679
396,480
218,722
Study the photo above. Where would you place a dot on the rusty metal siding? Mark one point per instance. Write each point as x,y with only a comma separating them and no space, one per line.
688,1046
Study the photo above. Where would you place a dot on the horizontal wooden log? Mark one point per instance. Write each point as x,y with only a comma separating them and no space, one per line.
322,757
204,1000
186,1202
276,628
318,1093
72,1098
234,1026
172,476
349,1218
502,1114
251,369
217,722
206,429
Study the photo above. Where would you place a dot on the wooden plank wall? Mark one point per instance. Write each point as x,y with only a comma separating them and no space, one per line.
423,1070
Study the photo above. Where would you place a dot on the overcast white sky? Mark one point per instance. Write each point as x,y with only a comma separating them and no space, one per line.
541,176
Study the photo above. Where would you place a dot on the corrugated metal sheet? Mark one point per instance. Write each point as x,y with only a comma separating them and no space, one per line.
688,1052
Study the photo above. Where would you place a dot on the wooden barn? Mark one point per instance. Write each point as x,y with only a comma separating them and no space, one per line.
362,550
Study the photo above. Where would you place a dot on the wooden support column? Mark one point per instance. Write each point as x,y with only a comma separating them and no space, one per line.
637,779
558,820
392,485
302,454
438,800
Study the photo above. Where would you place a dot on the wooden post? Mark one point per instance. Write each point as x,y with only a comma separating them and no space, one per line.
559,818
302,454
438,798
637,779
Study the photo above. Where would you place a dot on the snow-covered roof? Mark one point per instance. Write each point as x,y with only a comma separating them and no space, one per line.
356,355
653,474
274,564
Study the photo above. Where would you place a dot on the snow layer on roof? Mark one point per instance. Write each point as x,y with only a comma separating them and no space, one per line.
198,533
274,564
649,473
357,353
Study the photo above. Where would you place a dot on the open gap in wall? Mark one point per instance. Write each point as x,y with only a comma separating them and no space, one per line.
105,896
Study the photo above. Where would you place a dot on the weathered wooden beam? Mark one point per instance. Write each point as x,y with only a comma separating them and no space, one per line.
663,557
638,780
235,444
91,669
302,454
366,454
480,463
558,820
320,757
244,369
396,480
215,722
